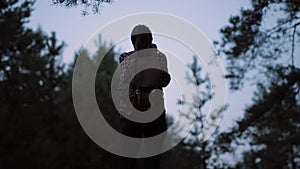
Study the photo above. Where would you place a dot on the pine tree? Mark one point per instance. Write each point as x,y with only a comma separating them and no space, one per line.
266,53
25,91
198,147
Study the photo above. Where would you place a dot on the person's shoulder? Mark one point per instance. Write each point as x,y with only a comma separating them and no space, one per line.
161,54
124,55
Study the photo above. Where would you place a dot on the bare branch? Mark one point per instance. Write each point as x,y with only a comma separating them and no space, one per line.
293,43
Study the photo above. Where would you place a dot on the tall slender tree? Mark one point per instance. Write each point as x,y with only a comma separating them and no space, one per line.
198,147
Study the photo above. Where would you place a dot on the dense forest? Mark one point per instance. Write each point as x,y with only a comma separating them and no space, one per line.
39,127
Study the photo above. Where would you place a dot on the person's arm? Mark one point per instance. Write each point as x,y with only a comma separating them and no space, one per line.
123,61
153,78
165,76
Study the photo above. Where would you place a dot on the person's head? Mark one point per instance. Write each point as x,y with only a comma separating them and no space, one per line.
141,37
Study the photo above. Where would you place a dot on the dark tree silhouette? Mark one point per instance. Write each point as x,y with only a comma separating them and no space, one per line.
198,147
198,152
261,42
272,125
26,128
260,38
38,125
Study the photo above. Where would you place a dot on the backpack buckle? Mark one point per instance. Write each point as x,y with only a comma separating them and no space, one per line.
138,92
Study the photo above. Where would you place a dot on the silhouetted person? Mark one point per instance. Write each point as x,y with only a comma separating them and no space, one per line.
139,89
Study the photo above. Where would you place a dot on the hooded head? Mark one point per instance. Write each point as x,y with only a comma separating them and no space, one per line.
141,37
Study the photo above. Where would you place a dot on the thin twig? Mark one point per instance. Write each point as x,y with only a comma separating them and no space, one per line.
293,44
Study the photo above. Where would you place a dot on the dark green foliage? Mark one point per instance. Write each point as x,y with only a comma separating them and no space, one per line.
198,148
253,40
38,124
254,43
272,125
198,152
29,86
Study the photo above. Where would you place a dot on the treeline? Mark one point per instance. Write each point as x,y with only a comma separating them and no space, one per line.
38,124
